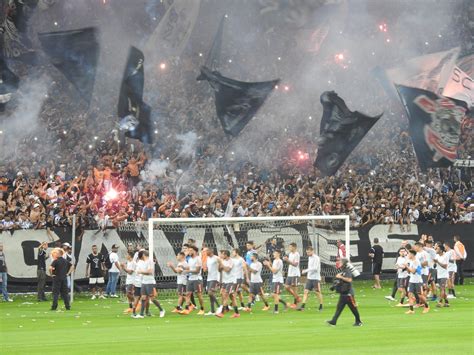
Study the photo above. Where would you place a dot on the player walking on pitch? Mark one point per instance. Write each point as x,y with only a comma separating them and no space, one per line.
277,278
313,280
255,281
294,273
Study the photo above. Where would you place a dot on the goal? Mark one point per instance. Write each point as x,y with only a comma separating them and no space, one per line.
164,238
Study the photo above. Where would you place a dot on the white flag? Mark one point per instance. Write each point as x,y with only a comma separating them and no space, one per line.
459,86
429,72
229,208
173,32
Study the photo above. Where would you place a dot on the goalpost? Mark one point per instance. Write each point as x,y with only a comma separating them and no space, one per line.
165,237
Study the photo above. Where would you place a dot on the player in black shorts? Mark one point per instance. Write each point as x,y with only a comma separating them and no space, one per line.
376,254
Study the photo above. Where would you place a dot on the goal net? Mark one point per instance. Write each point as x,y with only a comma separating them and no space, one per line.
164,238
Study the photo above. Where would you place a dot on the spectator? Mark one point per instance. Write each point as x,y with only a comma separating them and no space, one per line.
113,273
41,271
4,275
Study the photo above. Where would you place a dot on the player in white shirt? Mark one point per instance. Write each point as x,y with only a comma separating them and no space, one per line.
294,273
194,284
229,281
423,258
240,271
431,253
442,260
452,268
255,281
277,278
213,277
402,275
129,268
313,278
181,279
137,290
146,270
415,283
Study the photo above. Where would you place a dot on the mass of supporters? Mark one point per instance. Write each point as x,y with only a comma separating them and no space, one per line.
106,183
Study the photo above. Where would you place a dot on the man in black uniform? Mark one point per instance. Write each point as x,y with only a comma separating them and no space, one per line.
60,268
95,266
346,295
41,272
376,254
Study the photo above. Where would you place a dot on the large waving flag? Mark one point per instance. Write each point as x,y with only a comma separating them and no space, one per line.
172,33
341,130
134,114
237,102
8,83
74,53
460,84
435,125
14,41
429,72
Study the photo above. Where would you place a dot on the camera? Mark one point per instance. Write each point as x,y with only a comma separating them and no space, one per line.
355,272
335,285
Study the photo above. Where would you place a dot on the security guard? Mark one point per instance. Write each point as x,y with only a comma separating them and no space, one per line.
60,268
346,295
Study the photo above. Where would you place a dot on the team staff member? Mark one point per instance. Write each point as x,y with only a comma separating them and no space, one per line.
376,255
41,271
346,295
460,256
60,268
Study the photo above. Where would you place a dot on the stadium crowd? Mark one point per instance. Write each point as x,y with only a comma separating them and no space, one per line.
110,184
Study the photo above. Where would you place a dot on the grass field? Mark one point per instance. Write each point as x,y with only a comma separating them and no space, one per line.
98,326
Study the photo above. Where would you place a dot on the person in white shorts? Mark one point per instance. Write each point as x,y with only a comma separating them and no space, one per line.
129,268
95,272
452,268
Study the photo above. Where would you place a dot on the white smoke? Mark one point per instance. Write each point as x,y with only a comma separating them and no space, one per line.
188,144
155,170
32,95
25,118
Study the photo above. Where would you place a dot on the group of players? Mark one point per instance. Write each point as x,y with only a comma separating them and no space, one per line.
423,267
228,275
421,270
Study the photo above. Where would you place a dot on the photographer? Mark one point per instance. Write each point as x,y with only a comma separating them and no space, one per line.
343,285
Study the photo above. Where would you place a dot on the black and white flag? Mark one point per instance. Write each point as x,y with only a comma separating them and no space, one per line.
237,102
74,53
341,130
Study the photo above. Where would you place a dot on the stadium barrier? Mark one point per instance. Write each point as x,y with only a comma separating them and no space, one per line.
21,246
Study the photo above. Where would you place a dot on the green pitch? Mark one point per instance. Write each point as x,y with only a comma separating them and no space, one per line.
98,326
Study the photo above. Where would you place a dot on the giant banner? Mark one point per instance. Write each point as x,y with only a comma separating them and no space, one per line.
21,247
